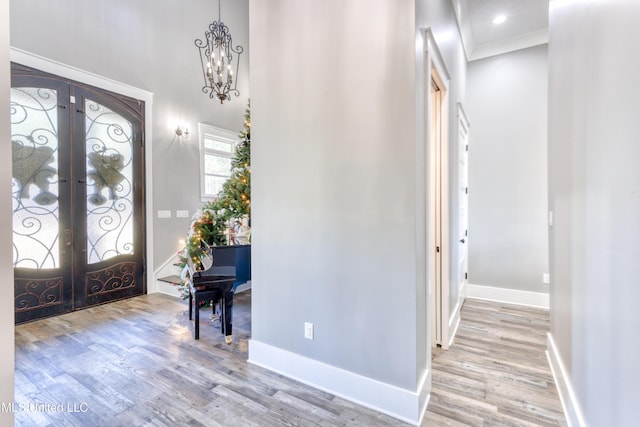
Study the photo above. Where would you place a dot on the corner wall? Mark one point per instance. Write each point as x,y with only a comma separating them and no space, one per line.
594,188
7,339
507,108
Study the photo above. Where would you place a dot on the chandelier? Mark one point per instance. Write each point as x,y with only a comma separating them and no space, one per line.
217,57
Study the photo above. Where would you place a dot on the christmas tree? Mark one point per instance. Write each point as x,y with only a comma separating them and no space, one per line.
235,197
233,203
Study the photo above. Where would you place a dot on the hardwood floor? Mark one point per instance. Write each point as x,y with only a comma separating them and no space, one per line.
496,373
135,363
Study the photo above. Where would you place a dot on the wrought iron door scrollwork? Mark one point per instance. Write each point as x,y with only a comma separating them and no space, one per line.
37,293
115,278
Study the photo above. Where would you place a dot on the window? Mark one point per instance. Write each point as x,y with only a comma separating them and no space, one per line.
217,149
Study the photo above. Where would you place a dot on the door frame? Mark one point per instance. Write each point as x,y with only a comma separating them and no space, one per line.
438,287
72,73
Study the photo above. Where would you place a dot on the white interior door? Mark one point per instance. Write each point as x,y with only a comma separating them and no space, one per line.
463,197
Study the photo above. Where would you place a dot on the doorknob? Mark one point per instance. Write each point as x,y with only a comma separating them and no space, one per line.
461,240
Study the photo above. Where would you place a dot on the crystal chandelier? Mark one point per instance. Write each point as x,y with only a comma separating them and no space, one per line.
217,57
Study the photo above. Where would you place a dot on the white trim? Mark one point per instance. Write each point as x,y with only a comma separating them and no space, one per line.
570,405
438,184
454,320
464,27
166,289
386,398
510,296
524,41
54,67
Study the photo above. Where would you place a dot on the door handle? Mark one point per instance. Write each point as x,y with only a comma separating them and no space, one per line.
462,240
67,237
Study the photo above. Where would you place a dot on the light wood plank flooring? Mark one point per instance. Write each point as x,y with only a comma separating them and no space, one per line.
135,363
496,373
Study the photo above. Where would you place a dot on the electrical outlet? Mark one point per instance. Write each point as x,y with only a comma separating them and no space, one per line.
164,214
546,278
308,330
182,214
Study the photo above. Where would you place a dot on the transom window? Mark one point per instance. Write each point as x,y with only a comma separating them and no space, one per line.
217,148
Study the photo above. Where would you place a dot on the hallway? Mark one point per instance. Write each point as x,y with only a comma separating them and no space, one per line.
496,372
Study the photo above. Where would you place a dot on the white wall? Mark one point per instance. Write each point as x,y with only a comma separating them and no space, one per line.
333,170
594,188
507,108
147,44
6,267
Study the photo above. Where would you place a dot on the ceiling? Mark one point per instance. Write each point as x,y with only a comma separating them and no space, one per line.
526,25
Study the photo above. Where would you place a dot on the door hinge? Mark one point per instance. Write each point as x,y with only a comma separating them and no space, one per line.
144,267
438,249
72,99
142,138
466,276
466,147
466,190
466,233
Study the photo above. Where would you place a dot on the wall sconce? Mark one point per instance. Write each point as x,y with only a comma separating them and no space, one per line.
182,132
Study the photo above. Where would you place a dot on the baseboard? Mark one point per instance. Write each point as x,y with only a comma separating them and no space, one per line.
166,288
570,405
408,406
454,322
510,296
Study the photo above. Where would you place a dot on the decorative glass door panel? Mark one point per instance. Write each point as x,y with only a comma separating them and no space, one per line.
78,194
34,147
109,145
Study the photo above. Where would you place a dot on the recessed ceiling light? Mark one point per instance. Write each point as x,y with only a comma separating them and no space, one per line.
499,19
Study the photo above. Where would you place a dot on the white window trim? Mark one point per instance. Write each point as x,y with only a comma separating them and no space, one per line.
219,134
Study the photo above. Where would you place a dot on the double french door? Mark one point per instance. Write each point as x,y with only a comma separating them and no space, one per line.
78,195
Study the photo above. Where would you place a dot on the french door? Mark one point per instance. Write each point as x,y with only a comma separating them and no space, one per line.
78,194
